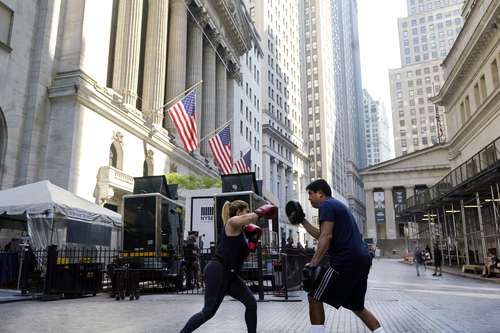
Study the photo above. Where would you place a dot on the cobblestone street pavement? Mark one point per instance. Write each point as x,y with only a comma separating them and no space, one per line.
400,299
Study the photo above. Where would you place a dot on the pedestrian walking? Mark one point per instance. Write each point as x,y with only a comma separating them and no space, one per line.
377,253
438,260
427,256
418,259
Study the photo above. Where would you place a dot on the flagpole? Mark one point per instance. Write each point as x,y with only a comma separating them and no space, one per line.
215,131
178,96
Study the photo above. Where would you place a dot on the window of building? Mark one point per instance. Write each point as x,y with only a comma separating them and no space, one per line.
6,20
477,96
463,118
494,73
113,156
467,106
482,87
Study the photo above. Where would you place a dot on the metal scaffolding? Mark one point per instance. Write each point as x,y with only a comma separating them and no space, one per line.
460,214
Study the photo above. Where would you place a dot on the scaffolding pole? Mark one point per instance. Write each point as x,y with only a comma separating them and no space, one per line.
447,236
462,211
430,221
455,234
495,215
481,228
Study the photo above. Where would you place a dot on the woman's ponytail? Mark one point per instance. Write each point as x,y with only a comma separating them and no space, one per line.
225,212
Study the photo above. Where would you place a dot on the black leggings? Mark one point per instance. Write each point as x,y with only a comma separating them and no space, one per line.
218,283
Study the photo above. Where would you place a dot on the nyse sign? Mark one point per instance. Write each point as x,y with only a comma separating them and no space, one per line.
207,214
202,218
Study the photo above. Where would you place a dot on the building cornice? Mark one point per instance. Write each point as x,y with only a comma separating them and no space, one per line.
266,128
467,48
273,117
241,33
401,158
406,170
477,121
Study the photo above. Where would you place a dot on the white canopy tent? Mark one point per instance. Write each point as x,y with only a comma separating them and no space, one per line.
52,215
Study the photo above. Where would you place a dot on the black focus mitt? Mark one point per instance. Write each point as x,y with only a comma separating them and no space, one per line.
294,212
311,277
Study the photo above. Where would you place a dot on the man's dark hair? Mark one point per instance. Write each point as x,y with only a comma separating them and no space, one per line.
320,185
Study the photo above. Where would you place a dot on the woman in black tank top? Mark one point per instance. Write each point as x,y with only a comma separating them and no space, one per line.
221,274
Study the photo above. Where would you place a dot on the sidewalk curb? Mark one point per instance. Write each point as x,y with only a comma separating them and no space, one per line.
15,300
465,275
10,296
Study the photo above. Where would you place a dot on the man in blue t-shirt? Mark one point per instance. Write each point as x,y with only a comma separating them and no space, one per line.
344,282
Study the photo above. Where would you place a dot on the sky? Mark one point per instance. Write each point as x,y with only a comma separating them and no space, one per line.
379,44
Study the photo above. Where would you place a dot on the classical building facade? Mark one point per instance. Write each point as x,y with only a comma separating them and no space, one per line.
90,82
389,184
466,201
377,130
458,208
425,37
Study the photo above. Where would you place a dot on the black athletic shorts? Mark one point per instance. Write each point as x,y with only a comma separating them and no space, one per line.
345,288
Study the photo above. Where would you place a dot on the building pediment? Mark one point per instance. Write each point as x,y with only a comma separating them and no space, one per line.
231,19
431,158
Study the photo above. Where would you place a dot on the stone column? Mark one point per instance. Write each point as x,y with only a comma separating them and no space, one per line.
127,50
154,61
289,184
266,171
410,192
371,228
208,101
221,94
284,174
230,97
390,222
194,70
176,59
283,184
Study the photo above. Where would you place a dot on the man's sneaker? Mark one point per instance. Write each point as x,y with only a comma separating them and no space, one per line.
434,274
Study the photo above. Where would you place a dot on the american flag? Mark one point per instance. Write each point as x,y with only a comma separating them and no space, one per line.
183,115
220,145
244,164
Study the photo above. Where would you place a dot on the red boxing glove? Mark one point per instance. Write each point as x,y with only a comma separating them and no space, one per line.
267,211
252,233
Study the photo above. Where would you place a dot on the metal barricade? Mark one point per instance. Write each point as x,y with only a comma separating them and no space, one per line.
269,272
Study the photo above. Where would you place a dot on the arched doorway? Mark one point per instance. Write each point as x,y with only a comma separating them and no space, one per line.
116,156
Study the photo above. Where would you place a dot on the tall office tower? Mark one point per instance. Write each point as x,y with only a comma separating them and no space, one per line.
246,110
321,123
425,37
377,130
283,146
349,148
